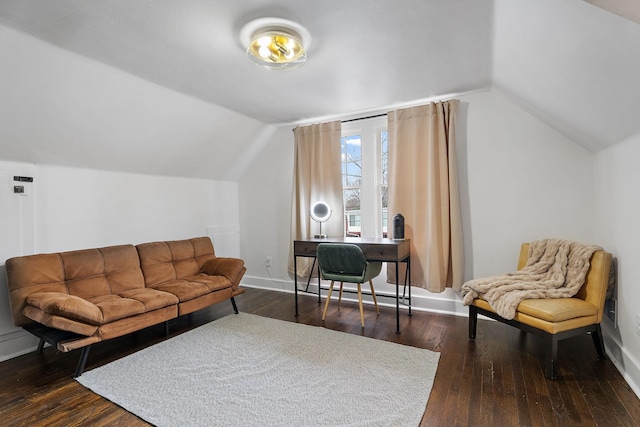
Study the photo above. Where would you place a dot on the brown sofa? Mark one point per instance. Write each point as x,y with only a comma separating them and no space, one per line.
75,299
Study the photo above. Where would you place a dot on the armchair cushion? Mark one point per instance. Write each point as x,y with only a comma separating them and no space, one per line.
557,309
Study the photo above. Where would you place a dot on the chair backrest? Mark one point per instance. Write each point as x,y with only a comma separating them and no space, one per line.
343,260
594,290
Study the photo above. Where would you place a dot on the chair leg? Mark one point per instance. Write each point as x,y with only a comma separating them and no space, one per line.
360,303
40,346
551,356
340,296
326,305
598,341
473,321
373,294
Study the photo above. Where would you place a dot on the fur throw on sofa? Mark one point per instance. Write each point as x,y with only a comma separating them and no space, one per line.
555,269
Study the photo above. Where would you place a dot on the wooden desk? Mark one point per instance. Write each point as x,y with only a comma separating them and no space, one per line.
386,250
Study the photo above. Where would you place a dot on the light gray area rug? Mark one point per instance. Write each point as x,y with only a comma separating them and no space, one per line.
247,370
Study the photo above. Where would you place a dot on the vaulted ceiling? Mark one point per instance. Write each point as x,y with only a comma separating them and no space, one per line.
572,64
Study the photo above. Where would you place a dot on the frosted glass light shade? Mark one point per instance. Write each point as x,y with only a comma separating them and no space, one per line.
275,44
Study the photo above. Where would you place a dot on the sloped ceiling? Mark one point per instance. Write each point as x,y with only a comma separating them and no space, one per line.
572,64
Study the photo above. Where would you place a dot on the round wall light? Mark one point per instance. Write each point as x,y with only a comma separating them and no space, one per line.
275,43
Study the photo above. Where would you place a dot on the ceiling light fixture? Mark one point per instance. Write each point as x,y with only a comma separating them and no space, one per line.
275,44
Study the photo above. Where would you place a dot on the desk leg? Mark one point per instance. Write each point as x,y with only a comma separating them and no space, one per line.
295,281
397,298
409,281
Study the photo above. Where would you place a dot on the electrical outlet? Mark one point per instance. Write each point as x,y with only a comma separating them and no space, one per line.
638,324
267,262
611,310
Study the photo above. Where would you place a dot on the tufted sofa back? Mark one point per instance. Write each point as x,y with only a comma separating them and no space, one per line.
86,273
173,260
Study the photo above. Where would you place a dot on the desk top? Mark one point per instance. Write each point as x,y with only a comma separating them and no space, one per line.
374,249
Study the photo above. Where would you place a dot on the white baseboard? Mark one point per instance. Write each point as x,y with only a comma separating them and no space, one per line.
625,362
16,343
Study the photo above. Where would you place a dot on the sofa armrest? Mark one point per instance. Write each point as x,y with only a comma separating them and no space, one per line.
231,268
67,306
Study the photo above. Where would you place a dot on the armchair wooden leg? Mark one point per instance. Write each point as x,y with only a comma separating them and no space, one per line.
360,303
373,294
473,321
326,305
340,296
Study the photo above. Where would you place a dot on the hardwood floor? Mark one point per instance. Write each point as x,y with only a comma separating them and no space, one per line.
497,380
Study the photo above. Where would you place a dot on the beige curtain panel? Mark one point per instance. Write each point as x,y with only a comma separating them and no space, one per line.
317,176
423,186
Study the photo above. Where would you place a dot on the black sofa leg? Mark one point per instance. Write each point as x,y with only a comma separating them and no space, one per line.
473,322
235,307
551,356
83,360
166,328
40,346
598,341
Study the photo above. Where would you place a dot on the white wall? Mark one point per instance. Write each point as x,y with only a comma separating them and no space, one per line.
524,180
519,180
618,230
84,208
16,238
265,212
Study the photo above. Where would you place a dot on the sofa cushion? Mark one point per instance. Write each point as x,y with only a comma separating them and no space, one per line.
183,289
102,309
213,283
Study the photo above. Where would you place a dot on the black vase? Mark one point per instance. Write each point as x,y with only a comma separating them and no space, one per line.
398,227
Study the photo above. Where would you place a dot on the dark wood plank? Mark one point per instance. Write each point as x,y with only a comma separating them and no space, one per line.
498,380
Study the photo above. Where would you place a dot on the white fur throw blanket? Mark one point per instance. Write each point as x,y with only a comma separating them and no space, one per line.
555,269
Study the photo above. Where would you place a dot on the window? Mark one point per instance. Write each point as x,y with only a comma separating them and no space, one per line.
364,177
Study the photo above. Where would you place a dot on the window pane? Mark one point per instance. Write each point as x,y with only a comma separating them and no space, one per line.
352,182
352,211
384,200
351,161
383,155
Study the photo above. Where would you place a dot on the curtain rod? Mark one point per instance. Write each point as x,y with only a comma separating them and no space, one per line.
359,118
363,118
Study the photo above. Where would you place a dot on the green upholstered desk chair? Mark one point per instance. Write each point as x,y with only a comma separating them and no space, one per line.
346,263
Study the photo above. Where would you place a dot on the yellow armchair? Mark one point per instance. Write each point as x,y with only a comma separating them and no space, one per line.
556,319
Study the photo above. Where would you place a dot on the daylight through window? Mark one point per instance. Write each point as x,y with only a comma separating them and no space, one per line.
364,177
